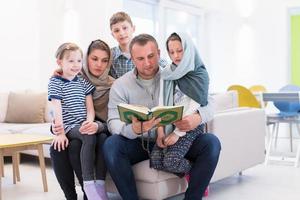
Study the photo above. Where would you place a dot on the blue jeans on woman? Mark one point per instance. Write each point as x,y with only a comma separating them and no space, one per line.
121,153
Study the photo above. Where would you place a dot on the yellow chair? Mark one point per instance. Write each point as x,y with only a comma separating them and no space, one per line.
246,98
257,90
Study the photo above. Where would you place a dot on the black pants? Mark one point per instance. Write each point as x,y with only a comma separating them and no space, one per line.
66,162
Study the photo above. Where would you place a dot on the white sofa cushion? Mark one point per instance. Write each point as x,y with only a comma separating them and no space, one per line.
225,101
24,128
3,105
143,172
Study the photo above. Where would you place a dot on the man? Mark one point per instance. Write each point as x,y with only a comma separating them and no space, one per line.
123,149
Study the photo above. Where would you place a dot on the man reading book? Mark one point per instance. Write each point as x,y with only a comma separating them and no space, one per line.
123,148
167,114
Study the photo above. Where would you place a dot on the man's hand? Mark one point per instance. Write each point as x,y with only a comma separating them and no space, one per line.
147,125
88,128
171,139
189,122
60,142
160,137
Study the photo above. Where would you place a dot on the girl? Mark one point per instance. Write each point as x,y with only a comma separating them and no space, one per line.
71,96
184,82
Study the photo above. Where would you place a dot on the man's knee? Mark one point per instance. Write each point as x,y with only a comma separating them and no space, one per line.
213,145
112,149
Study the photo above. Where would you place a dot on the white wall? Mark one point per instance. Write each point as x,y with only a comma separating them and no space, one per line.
261,57
19,40
31,31
93,23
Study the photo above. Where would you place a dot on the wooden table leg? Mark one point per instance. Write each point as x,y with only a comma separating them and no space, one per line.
1,165
1,170
42,166
18,164
15,164
0,187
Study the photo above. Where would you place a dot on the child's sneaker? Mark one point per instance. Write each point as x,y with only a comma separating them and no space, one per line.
90,190
101,192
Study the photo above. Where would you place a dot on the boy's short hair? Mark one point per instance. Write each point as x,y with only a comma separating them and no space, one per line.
119,17
142,39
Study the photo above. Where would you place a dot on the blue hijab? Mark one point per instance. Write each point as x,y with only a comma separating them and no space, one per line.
190,75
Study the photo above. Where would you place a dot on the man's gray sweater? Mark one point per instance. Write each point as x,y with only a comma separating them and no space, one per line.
131,90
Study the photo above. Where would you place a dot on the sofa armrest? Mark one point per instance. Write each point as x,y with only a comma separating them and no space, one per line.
242,136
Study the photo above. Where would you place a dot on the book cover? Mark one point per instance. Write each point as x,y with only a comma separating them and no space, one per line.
168,114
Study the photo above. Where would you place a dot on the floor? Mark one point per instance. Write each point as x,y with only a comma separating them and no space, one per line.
276,181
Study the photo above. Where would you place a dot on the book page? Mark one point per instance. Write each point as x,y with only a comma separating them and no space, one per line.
127,111
168,114
157,108
138,108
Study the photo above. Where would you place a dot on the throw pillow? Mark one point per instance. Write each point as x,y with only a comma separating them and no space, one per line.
3,105
26,107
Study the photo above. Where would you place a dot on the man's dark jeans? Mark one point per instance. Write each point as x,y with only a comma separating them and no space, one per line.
121,153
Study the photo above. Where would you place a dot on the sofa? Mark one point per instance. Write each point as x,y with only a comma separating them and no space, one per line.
25,112
241,131
242,134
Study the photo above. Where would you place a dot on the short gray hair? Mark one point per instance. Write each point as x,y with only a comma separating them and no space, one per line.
142,39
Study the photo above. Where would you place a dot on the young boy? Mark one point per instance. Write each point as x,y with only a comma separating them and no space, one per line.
122,30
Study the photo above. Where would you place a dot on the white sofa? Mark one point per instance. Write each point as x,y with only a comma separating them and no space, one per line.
240,130
27,113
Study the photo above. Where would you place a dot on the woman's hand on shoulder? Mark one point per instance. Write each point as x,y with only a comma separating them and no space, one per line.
57,72
88,127
60,142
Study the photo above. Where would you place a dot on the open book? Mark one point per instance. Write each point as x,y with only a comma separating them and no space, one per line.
168,114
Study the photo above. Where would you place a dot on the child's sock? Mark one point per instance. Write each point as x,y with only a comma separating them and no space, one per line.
90,190
100,187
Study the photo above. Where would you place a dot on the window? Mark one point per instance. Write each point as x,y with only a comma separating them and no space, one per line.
176,20
161,18
142,14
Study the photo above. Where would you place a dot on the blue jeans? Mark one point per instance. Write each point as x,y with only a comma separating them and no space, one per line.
121,153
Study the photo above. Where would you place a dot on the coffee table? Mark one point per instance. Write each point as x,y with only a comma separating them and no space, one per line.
13,143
